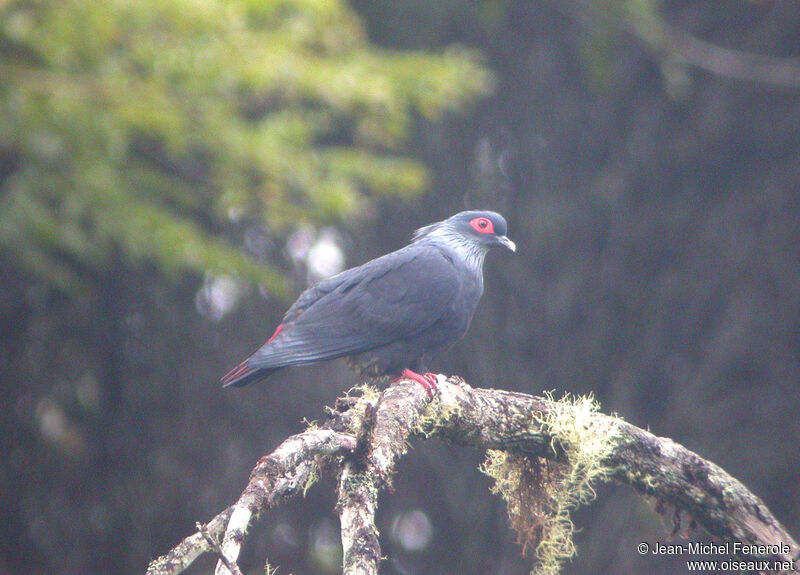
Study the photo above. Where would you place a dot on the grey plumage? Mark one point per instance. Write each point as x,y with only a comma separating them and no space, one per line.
392,313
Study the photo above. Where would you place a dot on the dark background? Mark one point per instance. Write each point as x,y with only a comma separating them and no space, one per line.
655,206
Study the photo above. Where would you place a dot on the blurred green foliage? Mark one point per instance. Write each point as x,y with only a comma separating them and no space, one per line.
146,128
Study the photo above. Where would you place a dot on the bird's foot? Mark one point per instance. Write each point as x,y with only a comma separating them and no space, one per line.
426,380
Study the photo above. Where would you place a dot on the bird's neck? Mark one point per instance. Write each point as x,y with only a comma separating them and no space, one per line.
471,253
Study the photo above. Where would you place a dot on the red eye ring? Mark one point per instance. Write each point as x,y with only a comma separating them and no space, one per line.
482,225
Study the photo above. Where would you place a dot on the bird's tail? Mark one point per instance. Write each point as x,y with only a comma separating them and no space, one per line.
243,374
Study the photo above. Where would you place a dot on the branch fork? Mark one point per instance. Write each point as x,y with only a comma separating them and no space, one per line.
363,438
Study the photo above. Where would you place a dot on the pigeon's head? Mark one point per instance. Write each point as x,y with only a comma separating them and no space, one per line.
477,231
487,229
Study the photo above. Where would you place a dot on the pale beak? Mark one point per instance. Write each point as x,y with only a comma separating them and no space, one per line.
507,243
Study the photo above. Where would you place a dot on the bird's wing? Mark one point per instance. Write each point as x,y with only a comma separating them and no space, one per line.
393,297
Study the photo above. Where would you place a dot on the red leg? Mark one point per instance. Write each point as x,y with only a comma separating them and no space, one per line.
427,380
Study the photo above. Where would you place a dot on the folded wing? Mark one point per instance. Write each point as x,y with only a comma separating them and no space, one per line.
388,299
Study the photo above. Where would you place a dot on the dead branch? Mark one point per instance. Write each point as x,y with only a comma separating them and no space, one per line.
217,548
654,466
665,41
276,478
394,419
363,438
185,552
728,62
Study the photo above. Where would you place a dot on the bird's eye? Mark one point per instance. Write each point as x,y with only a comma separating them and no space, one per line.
482,225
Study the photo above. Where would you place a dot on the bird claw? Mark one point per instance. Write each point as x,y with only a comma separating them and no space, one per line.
427,380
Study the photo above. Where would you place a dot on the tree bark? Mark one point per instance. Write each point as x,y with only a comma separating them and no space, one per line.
363,438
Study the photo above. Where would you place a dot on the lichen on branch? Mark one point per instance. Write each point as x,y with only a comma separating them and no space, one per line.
545,456
540,494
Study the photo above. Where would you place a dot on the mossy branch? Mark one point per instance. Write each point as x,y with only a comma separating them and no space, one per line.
544,454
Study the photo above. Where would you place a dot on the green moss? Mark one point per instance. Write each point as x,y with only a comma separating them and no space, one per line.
541,494
437,414
313,477
359,485
365,391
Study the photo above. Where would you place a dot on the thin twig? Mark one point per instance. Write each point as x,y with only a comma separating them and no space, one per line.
185,552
